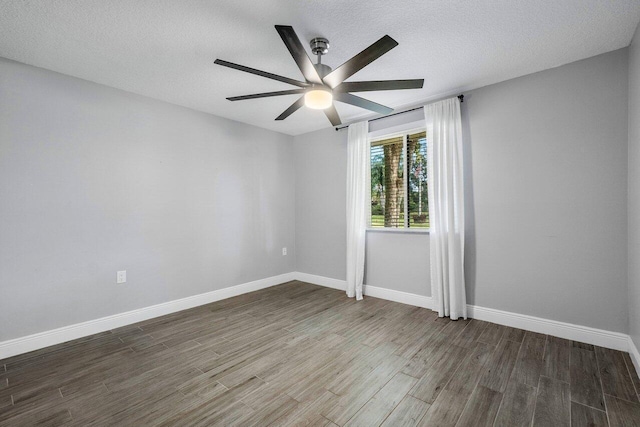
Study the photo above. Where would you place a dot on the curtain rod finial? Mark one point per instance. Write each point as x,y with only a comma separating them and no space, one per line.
461,98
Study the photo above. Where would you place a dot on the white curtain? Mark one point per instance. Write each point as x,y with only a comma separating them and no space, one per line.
357,170
446,207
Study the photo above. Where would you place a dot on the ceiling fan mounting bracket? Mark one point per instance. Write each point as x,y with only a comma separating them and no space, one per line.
319,46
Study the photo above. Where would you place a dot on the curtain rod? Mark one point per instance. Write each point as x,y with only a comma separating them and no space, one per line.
460,97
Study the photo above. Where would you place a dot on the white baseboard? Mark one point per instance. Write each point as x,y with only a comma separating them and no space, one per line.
635,355
67,333
570,331
585,334
372,291
321,280
608,339
398,296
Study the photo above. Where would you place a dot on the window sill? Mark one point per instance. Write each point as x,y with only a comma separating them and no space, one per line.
398,230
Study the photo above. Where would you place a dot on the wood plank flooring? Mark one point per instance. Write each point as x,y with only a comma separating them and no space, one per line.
299,354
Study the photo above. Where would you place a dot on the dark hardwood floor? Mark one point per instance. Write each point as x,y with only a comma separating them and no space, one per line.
299,354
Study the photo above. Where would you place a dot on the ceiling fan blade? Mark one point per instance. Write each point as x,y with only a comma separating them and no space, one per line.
266,94
260,73
296,49
347,98
292,109
379,85
361,60
332,115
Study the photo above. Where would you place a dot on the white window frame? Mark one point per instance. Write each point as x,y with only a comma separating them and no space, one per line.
388,133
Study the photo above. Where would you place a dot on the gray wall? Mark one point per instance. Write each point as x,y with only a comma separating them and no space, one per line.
634,189
95,180
398,261
547,193
546,185
320,214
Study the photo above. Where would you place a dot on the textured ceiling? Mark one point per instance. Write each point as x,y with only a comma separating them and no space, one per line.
165,49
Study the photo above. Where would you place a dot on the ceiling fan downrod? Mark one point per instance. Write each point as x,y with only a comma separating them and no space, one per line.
319,47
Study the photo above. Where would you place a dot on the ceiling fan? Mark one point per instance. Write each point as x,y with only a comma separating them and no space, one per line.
323,85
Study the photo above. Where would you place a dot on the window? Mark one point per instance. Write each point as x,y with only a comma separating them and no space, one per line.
399,181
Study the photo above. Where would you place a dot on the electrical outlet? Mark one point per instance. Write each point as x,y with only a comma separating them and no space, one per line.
284,251
121,277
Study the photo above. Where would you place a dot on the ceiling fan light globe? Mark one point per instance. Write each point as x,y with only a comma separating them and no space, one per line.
318,99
